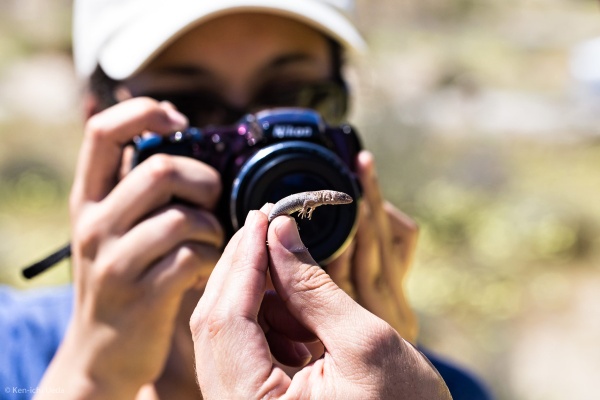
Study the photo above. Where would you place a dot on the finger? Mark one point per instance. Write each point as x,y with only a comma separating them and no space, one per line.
374,199
107,132
156,182
367,263
310,294
135,252
246,279
274,316
126,161
286,351
405,235
217,278
383,297
340,270
206,365
284,334
230,329
216,281
181,270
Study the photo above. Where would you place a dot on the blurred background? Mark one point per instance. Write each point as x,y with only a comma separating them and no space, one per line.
485,121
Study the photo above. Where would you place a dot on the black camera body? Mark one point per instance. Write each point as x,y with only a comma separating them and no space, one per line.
272,154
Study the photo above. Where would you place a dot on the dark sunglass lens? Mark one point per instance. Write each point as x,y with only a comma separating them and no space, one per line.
328,98
201,108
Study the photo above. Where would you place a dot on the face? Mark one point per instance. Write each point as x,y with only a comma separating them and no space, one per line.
236,64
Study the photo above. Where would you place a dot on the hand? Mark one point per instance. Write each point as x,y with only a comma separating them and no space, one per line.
236,327
373,269
135,253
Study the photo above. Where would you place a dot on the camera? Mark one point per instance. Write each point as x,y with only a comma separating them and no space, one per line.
269,155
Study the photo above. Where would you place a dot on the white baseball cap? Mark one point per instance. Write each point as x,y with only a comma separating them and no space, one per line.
122,36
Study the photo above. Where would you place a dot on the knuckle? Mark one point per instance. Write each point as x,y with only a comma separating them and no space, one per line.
75,201
216,323
213,187
96,127
400,220
313,280
206,226
413,226
106,270
187,260
197,322
381,337
177,220
204,177
206,320
213,183
150,110
89,232
161,168
144,103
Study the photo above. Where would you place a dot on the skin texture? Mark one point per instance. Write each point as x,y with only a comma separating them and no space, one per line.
141,263
235,330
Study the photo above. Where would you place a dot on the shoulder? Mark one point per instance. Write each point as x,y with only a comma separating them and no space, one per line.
32,324
463,384
36,309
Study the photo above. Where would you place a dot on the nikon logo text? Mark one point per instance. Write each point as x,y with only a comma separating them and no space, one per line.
286,131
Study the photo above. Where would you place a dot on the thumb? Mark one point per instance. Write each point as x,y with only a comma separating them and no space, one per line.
307,290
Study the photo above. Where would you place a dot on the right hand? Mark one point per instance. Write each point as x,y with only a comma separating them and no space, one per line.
135,253
238,329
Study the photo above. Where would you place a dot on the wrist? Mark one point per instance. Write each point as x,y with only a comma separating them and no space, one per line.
73,374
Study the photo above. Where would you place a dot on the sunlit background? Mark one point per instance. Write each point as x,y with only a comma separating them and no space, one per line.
481,132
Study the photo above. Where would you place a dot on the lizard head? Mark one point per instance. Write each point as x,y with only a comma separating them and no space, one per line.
342,198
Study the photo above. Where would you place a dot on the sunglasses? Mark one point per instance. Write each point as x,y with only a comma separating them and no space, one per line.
205,108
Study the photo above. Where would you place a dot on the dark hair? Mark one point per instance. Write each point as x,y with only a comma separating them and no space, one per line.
103,87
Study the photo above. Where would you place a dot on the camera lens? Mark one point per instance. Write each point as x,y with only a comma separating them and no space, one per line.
291,167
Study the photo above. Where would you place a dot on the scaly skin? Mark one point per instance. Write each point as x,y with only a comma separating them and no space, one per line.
306,202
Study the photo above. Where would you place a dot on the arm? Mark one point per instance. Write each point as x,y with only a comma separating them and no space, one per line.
135,255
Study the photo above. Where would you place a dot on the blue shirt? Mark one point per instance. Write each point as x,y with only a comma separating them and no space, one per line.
33,323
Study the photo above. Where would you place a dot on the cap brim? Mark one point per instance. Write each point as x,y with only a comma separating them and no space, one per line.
133,46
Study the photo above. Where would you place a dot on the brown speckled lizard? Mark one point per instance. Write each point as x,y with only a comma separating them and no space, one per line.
306,202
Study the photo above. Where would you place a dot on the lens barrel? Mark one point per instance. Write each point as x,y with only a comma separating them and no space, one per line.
289,167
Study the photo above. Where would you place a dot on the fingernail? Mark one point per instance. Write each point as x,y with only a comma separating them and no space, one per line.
288,235
302,353
168,104
366,159
250,217
266,208
177,119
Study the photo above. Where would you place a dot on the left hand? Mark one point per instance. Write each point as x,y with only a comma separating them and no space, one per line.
373,269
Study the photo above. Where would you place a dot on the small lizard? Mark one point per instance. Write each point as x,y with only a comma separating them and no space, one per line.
306,202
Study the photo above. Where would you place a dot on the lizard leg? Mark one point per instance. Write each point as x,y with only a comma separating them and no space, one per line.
306,209
302,212
311,207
